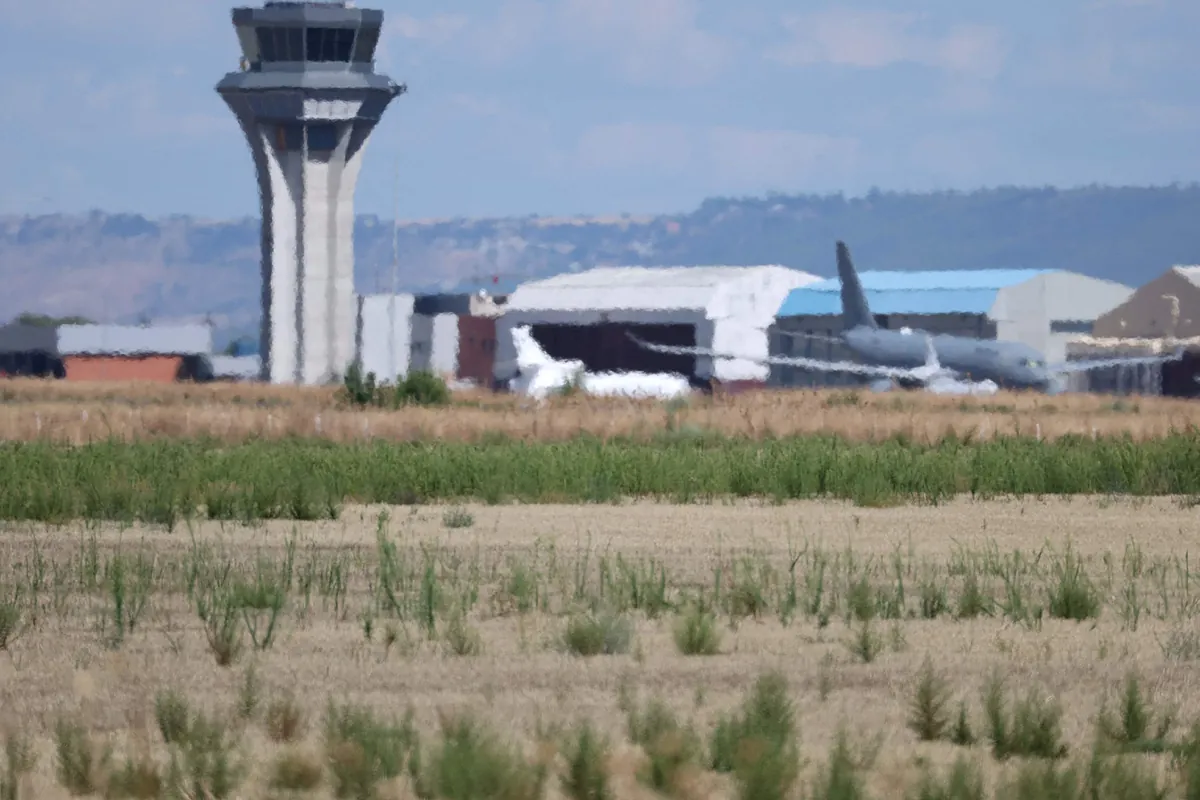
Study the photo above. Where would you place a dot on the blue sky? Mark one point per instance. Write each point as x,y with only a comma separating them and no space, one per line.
606,106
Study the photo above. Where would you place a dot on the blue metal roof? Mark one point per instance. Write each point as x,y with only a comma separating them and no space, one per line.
899,292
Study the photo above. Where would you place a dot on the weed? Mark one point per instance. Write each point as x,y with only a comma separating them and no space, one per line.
963,781
284,720
1131,730
204,764
472,762
927,715
1032,729
696,633
866,643
586,755
171,713
81,764
457,517
759,745
670,747
362,750
295,771
140,778
840,778
461,638
605,633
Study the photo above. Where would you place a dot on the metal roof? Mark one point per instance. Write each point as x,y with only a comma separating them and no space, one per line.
923,292
1191,274
659,288
176,340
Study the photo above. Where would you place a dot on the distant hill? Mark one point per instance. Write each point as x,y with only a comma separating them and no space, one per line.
123,267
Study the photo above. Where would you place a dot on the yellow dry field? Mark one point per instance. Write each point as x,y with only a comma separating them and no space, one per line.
352,630
81,412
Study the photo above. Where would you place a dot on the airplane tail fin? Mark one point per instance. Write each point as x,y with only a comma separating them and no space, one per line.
855,312
529,353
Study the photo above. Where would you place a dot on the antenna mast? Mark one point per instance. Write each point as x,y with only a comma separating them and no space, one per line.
395,266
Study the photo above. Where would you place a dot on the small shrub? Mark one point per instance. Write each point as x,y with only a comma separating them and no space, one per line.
422,388
294,771
204,764
866,643
284,719
670,747
1033,729
473,763
963,781
962,735
1131,731
841,777
606,633
759,746
586,756
696,633
927,710
171,714
461,638
81,765
1072,596
362,750
136,778
457,517
973,602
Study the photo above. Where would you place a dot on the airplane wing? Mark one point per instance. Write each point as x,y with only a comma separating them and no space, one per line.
1102,363
786,361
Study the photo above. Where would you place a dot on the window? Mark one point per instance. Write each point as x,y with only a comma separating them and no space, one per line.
322,136
329,44
364,47
280,44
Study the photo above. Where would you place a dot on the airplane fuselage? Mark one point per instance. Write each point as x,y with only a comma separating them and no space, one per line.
1011,365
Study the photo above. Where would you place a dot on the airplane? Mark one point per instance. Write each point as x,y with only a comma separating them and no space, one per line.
904,357
540,375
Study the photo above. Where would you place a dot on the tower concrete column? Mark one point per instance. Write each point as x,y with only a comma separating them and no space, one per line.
307,98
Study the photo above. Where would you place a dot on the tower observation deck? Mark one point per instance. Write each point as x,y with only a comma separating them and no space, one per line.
307,97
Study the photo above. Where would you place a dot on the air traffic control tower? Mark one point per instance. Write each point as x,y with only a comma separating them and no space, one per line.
307,97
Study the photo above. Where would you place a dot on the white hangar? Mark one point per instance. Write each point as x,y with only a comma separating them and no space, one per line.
585,315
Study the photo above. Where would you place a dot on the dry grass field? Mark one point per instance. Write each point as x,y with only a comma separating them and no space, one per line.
530,620
80,412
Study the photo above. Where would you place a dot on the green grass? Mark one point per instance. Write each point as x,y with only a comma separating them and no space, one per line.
164,481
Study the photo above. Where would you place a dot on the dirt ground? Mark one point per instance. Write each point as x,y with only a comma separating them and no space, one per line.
1135,554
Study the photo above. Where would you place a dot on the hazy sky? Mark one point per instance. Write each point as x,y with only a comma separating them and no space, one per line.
598,106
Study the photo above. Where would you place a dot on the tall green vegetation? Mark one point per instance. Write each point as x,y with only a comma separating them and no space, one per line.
163,481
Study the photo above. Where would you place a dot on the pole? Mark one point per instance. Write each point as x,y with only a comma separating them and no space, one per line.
395,266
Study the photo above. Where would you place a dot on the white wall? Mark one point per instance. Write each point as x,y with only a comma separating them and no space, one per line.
375,330
435,343
1024,312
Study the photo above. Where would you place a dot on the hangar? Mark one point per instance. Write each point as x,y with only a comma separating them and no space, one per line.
1160,317
585,315
1041,308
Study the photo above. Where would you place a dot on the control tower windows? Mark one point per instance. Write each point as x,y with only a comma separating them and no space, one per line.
330,44
280,44
364,46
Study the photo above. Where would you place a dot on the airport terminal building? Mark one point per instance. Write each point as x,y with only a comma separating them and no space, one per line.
1042,308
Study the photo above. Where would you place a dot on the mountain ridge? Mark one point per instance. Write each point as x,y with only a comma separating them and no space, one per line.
120,267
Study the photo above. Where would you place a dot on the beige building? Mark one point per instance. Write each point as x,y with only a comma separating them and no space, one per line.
1168,306
1160,317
